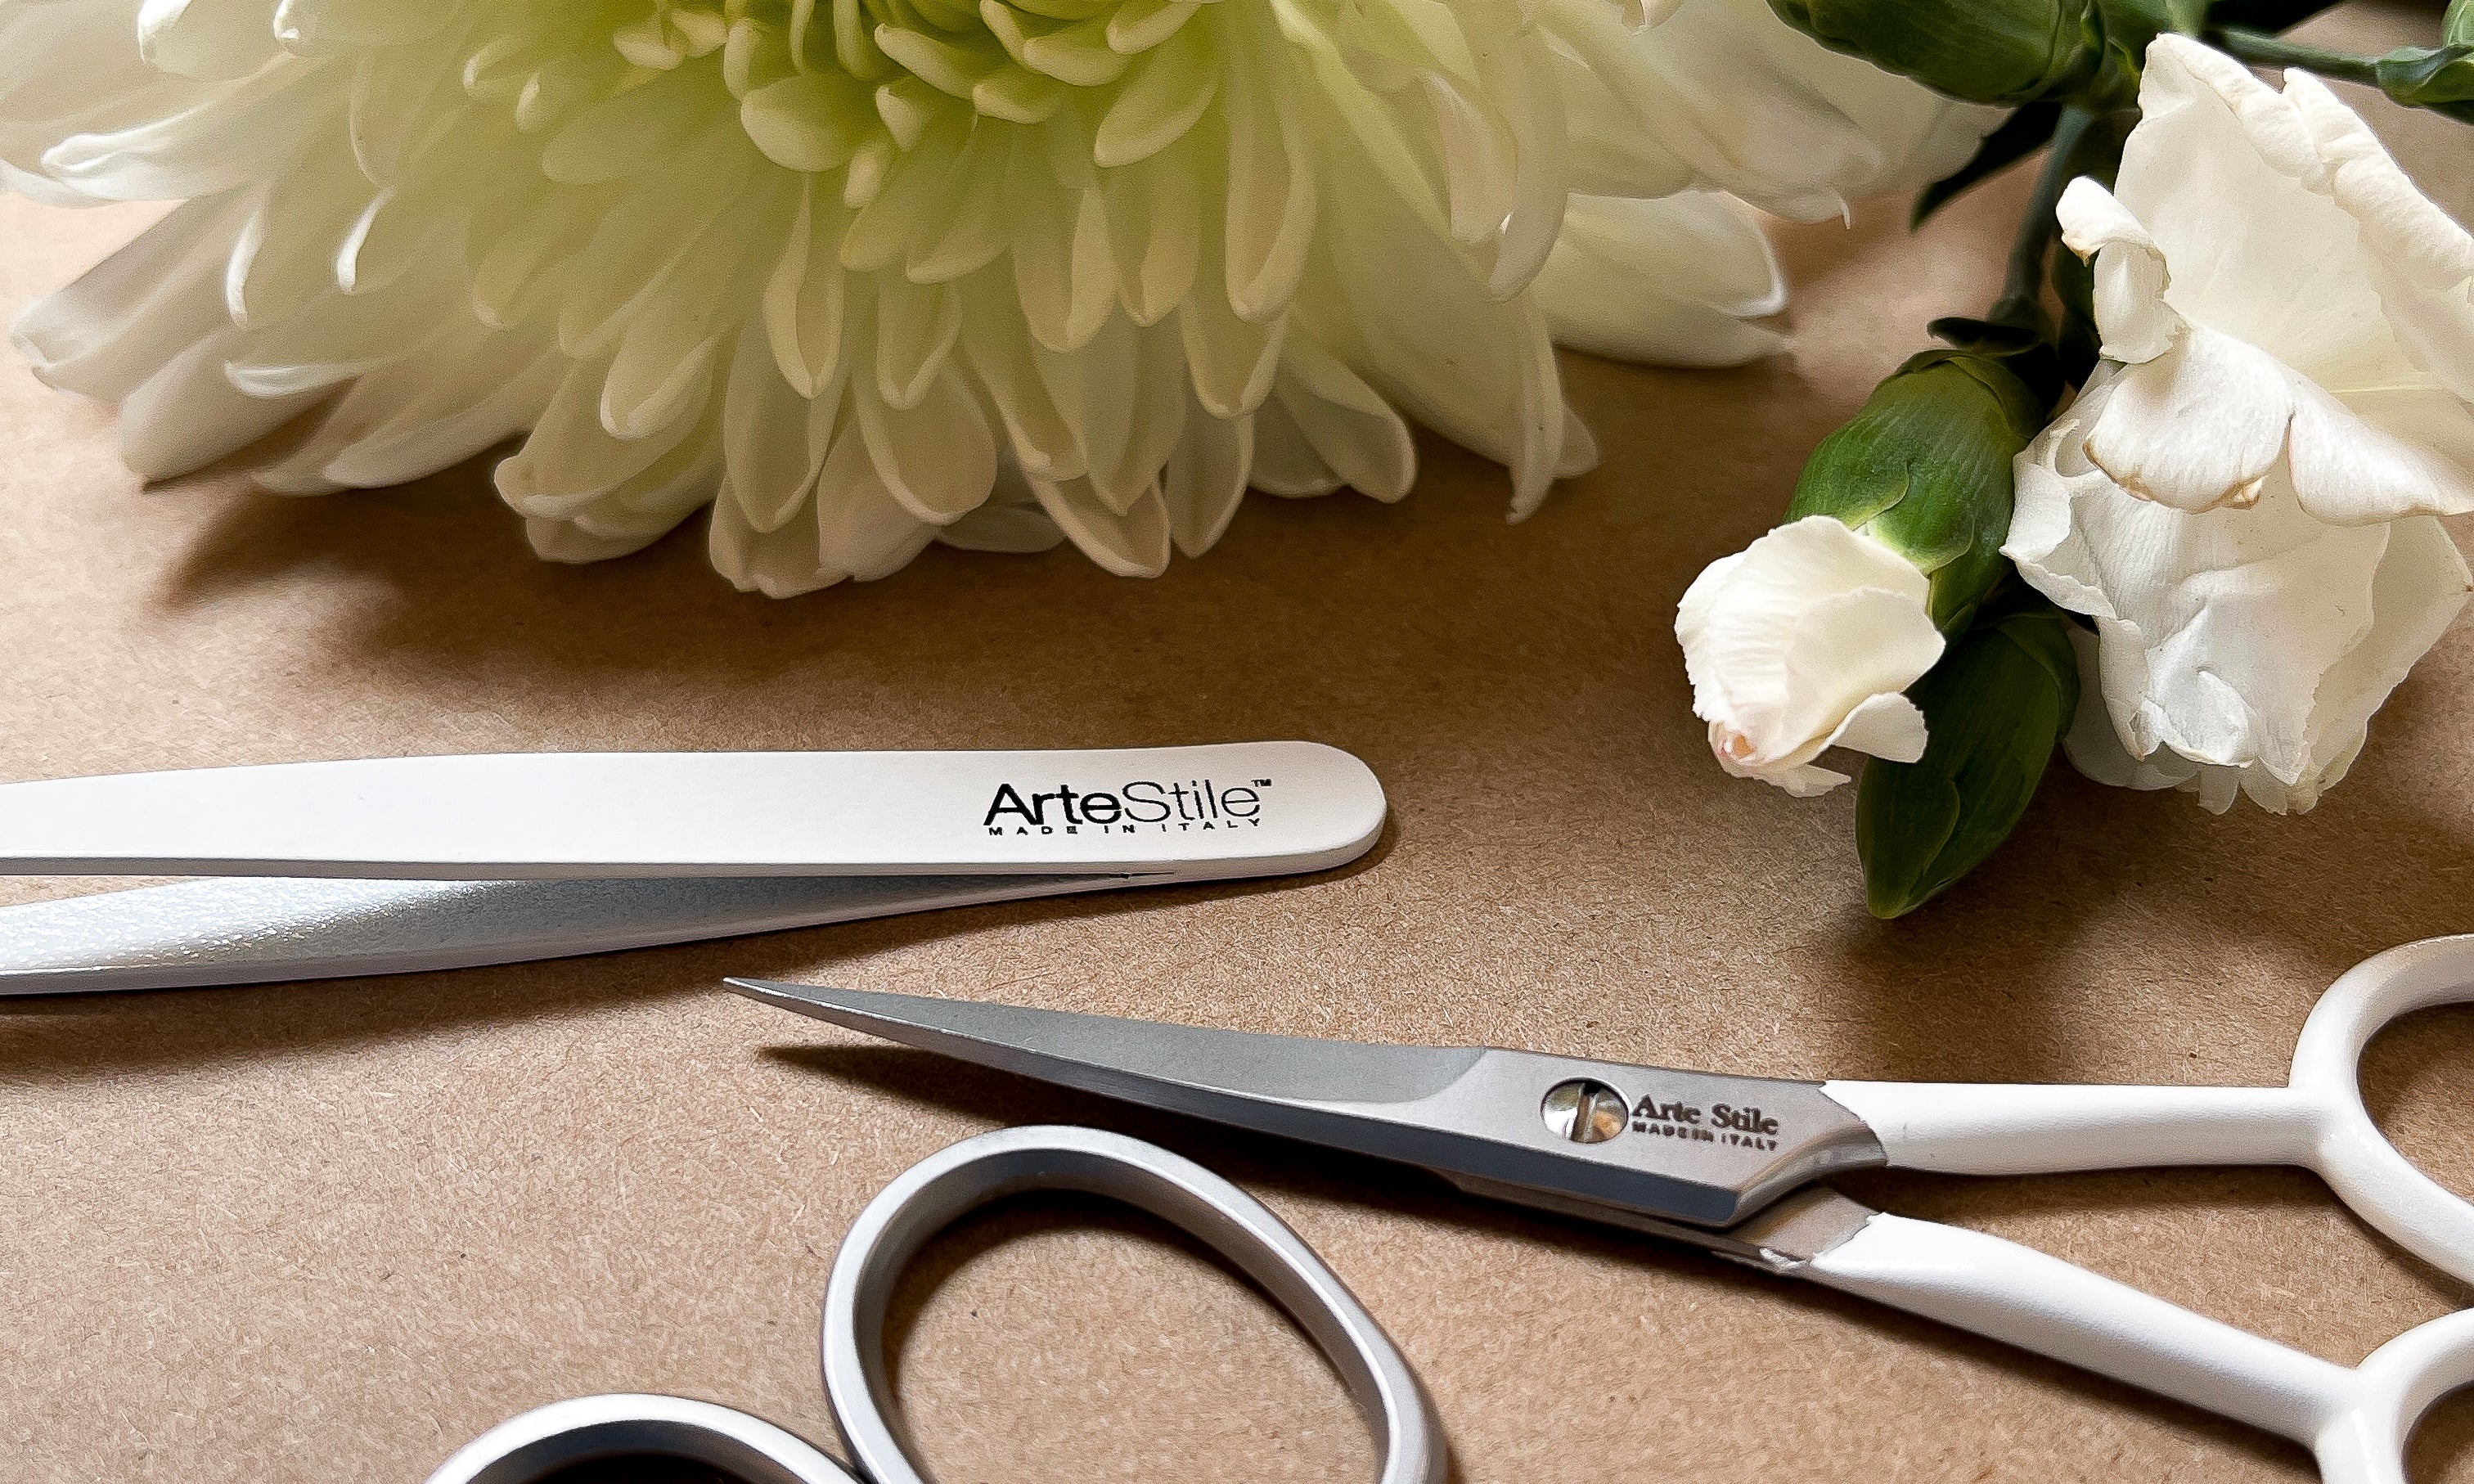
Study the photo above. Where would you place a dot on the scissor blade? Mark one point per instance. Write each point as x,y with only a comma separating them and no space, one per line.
1486,1119
1140,1061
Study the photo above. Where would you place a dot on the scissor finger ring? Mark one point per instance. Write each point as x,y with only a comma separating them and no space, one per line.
924,1199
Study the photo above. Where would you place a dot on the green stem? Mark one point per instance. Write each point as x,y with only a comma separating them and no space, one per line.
2261,50
2023,284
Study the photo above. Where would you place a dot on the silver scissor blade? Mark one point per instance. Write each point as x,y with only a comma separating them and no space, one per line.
1672,1146
1140,1061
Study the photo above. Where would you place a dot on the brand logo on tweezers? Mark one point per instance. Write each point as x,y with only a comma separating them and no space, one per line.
1720,1123
1130,808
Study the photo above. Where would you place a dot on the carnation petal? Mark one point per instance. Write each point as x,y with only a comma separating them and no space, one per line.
1887,726
2130,274
2198,427
2350,471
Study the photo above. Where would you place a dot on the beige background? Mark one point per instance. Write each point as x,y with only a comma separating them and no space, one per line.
324,1231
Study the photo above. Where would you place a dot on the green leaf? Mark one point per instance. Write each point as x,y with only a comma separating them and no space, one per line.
1923,467
2266,14
2438,78
2075,284
1995,708
2026,351
1987,51
2021,134
2131,24
2457,26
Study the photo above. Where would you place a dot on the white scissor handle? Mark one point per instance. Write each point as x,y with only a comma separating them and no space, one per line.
2365,1443
2356,1421
2347,1147
932,1194
2316,1121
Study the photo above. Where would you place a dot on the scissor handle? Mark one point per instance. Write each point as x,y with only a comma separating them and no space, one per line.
2356,1421
2347,1147
2316,1121
548,1442
939,1189
2365,1443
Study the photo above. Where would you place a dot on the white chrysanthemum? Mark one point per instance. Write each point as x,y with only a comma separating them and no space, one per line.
864,274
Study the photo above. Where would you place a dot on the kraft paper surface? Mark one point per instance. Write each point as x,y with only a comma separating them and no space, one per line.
327,1231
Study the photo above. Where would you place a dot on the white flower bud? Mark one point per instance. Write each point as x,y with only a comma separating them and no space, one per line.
1805,640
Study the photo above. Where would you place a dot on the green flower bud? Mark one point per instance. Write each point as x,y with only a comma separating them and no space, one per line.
1990,51
1995,708
1923,467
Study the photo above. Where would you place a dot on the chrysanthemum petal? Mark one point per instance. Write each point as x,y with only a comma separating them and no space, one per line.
136,309
213,40
1349,425
1167,91
937,458
862,527
915,326
241,131
1231,359
569,457
769,472
1205,480
1131,543
1270,206
186,415
805,297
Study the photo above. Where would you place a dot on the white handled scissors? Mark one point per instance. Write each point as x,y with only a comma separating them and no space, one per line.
1725,1164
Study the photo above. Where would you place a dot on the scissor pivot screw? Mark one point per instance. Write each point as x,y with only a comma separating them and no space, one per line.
1585,1112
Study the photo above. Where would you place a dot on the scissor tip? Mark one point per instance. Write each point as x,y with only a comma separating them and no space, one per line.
769,991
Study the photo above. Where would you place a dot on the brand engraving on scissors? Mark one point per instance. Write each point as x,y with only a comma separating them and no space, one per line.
1720,1123
1143,805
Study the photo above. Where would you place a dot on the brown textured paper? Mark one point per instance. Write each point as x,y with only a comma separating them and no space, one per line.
325,1232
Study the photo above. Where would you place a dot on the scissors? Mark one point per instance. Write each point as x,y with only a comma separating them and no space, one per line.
1728,1165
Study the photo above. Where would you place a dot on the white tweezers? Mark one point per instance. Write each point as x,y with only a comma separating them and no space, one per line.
391,865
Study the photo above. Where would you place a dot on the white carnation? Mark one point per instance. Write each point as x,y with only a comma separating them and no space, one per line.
2246,497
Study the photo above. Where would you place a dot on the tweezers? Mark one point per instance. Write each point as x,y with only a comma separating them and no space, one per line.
389,866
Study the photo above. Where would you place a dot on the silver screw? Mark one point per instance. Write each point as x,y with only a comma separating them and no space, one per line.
1585,1112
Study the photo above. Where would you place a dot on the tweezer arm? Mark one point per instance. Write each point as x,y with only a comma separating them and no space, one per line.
260,929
